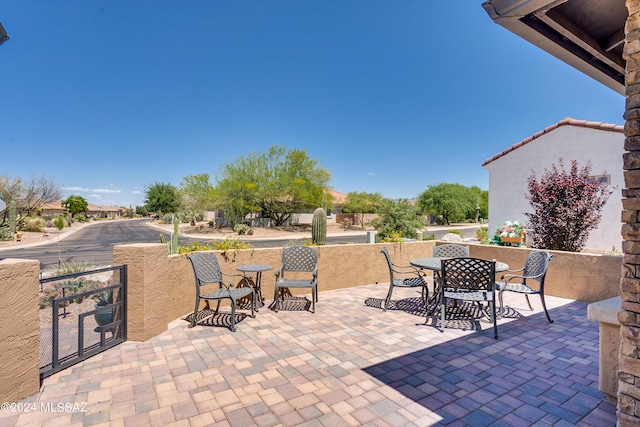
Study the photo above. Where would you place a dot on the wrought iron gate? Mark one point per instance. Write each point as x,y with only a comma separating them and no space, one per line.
81,315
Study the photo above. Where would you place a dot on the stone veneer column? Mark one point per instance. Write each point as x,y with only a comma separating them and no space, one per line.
19,329
147,288
629,316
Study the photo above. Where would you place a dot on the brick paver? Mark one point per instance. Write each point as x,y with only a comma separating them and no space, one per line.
350,363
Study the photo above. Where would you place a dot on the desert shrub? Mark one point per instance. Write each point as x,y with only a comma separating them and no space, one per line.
211,224
482,233
6,234
80,218
457,232
429,237
393,236
195,247
33,224
72,267
567,205
397,218
242,228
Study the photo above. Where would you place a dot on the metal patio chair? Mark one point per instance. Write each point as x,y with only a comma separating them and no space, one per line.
535,269
450,250
469,279
301,262
404,276
207,271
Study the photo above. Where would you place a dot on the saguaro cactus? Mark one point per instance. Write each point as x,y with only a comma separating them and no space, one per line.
174,237
12,216
319,227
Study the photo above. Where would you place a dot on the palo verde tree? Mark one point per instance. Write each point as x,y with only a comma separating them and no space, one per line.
397,219
162,198
197,194
75,205
278,182
567,205
362,203
454,202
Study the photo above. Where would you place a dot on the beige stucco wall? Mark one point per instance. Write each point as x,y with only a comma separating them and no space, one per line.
19,329
584,277
578,276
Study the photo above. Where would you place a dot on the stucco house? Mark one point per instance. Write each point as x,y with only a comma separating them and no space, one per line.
600,143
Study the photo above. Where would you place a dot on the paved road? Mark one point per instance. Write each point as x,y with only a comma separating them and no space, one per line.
94,244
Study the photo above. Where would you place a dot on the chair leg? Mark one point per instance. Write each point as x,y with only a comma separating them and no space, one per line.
195,312
253,304
493,314
233,315
443,304
501,303
545,308
388,300
313,301
275,299
528,302
217,307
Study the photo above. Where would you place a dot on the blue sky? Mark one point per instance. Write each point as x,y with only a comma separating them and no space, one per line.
106,98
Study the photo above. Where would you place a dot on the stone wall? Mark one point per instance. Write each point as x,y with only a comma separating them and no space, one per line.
629,357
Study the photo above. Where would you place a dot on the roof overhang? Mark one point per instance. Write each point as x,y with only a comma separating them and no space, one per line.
586,34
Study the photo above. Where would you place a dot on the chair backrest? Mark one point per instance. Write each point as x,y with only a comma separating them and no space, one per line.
472,274
206,268
536,266
299,258
450,251
385,252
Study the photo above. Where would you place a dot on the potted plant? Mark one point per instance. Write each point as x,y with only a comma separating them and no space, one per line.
510,231
102,299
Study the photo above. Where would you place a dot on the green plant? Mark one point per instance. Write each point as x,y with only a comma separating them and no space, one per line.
457,232
230,245
242,228
482,233
59,222
397,218
174,237
211,224
319,227
104,297
510,229
72,267
429,237
80,218
34,224
195,247
6,234
394,236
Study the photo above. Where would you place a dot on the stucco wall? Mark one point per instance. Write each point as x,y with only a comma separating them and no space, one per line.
508,176
585,277
19,329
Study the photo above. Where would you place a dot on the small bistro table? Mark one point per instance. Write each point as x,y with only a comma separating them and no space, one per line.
258,269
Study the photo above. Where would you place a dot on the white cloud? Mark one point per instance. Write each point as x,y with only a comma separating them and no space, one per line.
136,192
104,190
75,189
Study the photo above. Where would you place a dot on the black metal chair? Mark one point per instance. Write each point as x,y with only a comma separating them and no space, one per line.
298,261
207,271
450,250
404,276
535,269
469,279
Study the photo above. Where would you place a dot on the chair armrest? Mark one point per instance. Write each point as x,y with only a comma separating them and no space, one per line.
277,273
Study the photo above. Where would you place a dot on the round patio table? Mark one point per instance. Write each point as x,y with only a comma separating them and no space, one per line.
258,269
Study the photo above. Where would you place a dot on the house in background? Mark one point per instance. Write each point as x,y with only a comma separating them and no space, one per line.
56,208
600,143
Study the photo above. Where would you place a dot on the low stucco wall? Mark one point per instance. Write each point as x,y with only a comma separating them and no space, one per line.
19,329
583,277
577,276
339,266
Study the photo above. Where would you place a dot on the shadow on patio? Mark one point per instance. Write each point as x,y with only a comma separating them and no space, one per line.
350,363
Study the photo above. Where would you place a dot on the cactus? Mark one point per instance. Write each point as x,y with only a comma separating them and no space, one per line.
12,216
319,227
174,237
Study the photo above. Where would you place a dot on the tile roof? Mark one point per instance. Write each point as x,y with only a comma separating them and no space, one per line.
564,122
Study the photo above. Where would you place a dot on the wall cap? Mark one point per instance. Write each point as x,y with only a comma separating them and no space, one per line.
605,311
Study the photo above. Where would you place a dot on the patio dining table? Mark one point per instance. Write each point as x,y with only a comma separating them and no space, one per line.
435,264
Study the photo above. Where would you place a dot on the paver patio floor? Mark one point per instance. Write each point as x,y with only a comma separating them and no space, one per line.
348,364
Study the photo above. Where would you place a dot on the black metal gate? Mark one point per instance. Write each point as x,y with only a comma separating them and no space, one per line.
81,315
